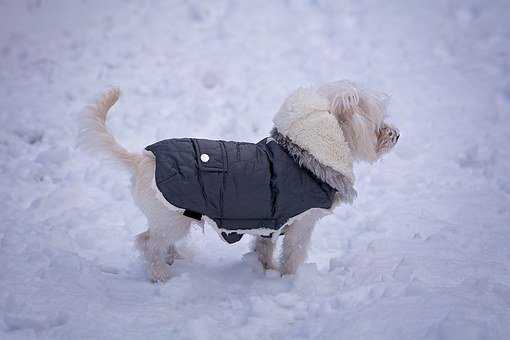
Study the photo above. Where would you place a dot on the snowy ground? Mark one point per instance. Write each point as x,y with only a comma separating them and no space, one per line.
424,253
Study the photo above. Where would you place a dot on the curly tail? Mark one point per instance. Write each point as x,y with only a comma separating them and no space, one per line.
95,136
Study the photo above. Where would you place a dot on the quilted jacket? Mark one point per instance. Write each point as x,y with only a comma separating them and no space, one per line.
240,186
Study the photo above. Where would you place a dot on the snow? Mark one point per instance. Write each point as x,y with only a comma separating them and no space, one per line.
422,254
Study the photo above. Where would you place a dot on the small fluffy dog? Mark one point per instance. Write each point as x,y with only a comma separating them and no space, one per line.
280,186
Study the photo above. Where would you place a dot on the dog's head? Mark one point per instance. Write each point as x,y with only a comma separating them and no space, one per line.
360,113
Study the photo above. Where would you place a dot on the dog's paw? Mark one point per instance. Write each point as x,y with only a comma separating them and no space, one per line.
251,259
268,264
160,272
287,270
172,255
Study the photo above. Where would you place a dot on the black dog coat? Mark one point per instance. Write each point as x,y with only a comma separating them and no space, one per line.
241,186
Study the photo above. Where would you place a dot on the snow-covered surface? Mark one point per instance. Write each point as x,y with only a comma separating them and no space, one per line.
424,253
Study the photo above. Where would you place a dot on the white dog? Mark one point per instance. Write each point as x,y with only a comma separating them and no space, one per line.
323,130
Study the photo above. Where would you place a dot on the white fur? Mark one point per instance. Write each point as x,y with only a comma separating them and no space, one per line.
360,112
95,136
335,123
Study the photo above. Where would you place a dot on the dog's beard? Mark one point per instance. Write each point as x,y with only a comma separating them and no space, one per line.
342,184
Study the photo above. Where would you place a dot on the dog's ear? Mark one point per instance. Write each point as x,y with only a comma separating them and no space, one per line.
345,104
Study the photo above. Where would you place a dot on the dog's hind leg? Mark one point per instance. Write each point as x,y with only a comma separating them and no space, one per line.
264,247
156,242
166,225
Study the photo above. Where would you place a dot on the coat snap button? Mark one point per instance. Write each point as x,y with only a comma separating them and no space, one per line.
204,157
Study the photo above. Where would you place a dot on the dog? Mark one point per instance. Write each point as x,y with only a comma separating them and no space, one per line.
280,186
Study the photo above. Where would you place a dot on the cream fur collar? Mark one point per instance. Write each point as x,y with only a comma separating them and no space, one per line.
305,119
342,185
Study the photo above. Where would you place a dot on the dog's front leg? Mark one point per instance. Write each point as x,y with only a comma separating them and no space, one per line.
295,247
264,247
296,240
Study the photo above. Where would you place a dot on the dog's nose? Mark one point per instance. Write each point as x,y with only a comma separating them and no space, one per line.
398,136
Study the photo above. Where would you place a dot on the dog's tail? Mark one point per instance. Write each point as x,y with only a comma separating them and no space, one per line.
95,136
